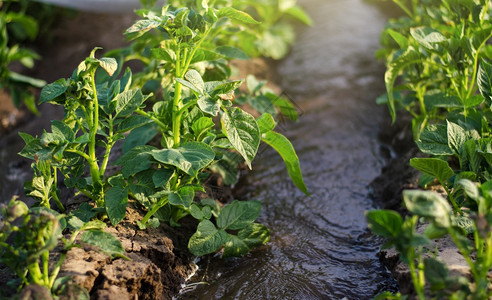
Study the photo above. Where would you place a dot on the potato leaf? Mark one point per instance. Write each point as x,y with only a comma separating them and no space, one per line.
190,157
207,239
105,241
116,200
238,214
242,131
433,166
385,223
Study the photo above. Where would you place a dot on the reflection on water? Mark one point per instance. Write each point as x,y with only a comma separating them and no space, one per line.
320,246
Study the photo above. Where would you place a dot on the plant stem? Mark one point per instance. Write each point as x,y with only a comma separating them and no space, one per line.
154,209
155,119
109,145
53,191
45,258
417,281
94,168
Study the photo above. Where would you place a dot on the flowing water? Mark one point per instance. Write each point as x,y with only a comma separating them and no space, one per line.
320,246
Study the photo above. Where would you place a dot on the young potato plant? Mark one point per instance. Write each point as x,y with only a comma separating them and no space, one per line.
28,236
96,115
441,51
13,24
200,131
436,50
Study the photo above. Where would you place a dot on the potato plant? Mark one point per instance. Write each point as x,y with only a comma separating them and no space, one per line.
190,129
27,236
438,70
15,26
165,180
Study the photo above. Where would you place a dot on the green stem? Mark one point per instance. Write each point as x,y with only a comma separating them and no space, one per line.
45,258
94,168
150,116
456,208
464,252
53,191
84,155
109,145
35,273
176,116
154,209
417,281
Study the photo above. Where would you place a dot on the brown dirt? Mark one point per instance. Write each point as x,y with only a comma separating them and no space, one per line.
156,271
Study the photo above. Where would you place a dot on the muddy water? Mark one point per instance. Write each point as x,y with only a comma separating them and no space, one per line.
320,246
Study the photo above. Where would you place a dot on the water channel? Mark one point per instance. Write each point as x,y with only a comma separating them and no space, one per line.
320,246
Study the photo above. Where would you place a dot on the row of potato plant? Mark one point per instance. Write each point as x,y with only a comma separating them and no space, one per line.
179,125
438,70
16,27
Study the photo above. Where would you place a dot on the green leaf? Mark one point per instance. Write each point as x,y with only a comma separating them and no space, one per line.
235,14
284,105
53,90
37,83
234,246
385,223
127,102
207,239
399,38
184,197
95,224
105,241
433,166
457,136
193,77
201,126
238,214
136,160
427,36
263,104
161,177
410,56
109,65
254,235
242,131
139,136
231,52
190,157
209,105
428,204
116,200
299,14
205,55
266,123
84,212
143,25
470,189
484,81
228,166
284,147
434,140
196,212
133,122
165,54
436,273
62,131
